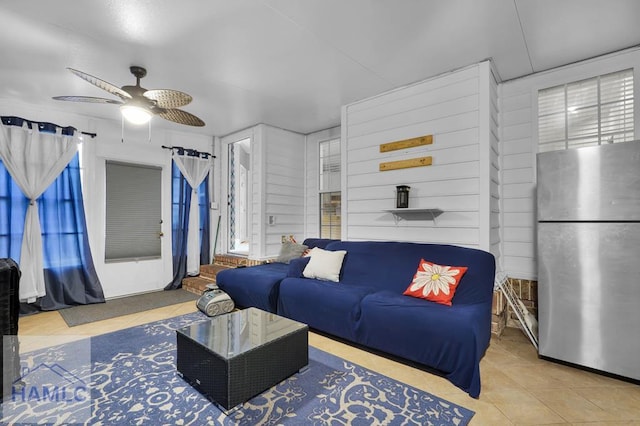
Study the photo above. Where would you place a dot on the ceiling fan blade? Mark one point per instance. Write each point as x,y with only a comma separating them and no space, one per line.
89,99
167,98
104,85
181,117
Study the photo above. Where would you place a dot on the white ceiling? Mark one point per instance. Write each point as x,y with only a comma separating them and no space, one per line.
288,63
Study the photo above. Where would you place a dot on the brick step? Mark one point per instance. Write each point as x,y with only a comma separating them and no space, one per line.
234,261
210,271
196,285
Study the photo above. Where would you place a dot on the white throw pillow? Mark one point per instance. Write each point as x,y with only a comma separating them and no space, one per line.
324,264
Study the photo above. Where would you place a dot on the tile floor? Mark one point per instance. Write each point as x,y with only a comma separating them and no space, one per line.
517,387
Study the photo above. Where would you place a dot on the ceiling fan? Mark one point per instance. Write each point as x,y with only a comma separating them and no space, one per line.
138,104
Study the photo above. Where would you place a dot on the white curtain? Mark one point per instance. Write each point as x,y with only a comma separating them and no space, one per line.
195,170
34,160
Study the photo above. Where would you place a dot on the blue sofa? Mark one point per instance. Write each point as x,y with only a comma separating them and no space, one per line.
367,306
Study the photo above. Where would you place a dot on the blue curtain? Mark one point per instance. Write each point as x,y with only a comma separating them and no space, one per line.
69,272
13,209
70,275
181,199
205,232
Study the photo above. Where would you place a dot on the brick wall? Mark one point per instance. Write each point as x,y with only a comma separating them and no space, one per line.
502,316
498,313
235,261
208,273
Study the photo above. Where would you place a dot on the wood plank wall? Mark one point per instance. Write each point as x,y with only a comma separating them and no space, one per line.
495,240
448,107
283,186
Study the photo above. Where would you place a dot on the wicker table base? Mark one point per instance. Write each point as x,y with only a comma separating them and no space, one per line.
236,356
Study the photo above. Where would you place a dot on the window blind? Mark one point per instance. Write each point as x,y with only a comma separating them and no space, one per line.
133,212
589,112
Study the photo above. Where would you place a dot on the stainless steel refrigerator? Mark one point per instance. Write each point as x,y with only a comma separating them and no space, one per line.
589,257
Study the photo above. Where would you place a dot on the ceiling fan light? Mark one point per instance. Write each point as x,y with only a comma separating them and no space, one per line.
135,114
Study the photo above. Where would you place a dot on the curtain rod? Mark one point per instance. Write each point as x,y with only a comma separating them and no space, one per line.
189,152
43,126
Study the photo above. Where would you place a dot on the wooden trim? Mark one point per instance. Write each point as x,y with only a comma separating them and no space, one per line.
407,143
405,164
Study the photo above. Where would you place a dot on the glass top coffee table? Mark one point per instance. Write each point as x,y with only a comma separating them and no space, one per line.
234,357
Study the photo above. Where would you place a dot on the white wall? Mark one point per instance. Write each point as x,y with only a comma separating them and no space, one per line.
277,176
519,145
120,278
490,237
460,110
283,186
312,184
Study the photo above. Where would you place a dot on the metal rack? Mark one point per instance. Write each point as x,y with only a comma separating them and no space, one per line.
528,322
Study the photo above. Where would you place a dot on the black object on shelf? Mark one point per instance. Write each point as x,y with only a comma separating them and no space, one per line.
402,196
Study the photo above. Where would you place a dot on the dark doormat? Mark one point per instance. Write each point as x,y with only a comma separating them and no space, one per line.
85,314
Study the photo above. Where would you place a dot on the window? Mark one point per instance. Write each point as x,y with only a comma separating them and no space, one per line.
133,212
330,196
590,112
61,218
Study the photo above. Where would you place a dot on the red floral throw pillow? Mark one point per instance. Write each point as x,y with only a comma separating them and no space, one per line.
435,282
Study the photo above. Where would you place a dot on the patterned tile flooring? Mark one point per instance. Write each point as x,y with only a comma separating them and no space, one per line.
517,387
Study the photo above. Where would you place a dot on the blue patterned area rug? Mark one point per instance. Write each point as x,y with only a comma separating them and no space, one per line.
132,379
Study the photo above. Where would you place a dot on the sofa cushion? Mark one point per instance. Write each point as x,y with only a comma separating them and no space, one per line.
390,265
296,267
434,282
318,242
323,305
451,339
324,264
253,286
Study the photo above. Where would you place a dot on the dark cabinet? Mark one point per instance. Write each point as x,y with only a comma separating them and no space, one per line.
9,312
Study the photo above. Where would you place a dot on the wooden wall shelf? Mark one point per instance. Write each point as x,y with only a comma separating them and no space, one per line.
414,214
407,143
405,164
